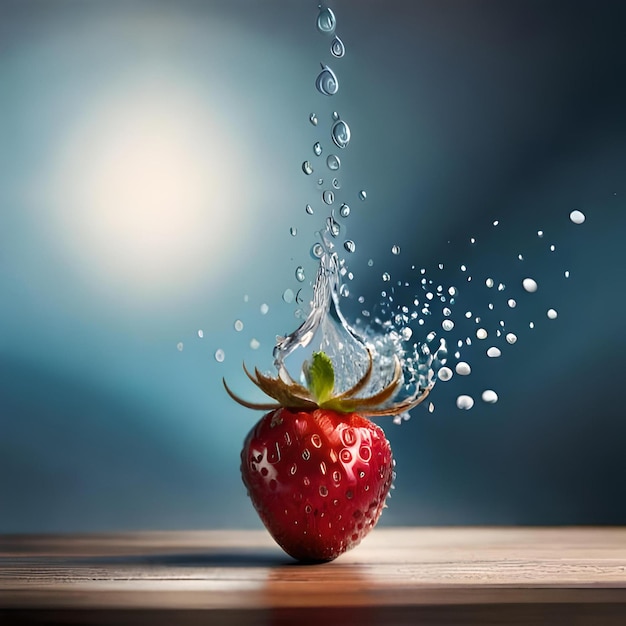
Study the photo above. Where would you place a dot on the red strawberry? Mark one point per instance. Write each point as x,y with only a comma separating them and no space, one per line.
318,479
318,472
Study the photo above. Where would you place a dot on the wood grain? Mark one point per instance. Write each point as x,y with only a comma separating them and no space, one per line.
438,575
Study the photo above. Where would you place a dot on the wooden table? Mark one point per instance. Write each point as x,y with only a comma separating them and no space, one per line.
458,576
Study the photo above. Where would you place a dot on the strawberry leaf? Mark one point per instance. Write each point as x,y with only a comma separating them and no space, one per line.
320,377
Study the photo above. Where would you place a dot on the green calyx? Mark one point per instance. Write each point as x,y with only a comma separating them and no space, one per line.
319,392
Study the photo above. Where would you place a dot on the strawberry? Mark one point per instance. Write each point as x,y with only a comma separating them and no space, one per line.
316,469
318,479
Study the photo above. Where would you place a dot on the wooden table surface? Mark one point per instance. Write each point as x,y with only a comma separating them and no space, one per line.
396,576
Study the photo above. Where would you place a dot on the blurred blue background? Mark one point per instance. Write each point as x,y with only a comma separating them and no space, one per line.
150,173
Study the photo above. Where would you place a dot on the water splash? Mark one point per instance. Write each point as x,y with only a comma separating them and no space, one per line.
386,328
326,329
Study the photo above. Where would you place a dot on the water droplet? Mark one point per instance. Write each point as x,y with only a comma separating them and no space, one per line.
481,333
465,402
349,245
320,181
406,333
552,314
344,210
490,396
445,373
317,148
578,217
300,274
362,194
349,436
337,49
219,355
512,303
520,257
313,119
307,168
489,282
395,249
540,233
452,291
529,285
493,352
326,82
463,369
264,308
566,273
431,407
531,325
340,134
472,240
333,162
328,196
254,344
496,222
309,209
386,277
326,21
200,333
288,296
180,346
511,338
336,184
333,227
317,250
447,324
238,325
293,231
552,248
